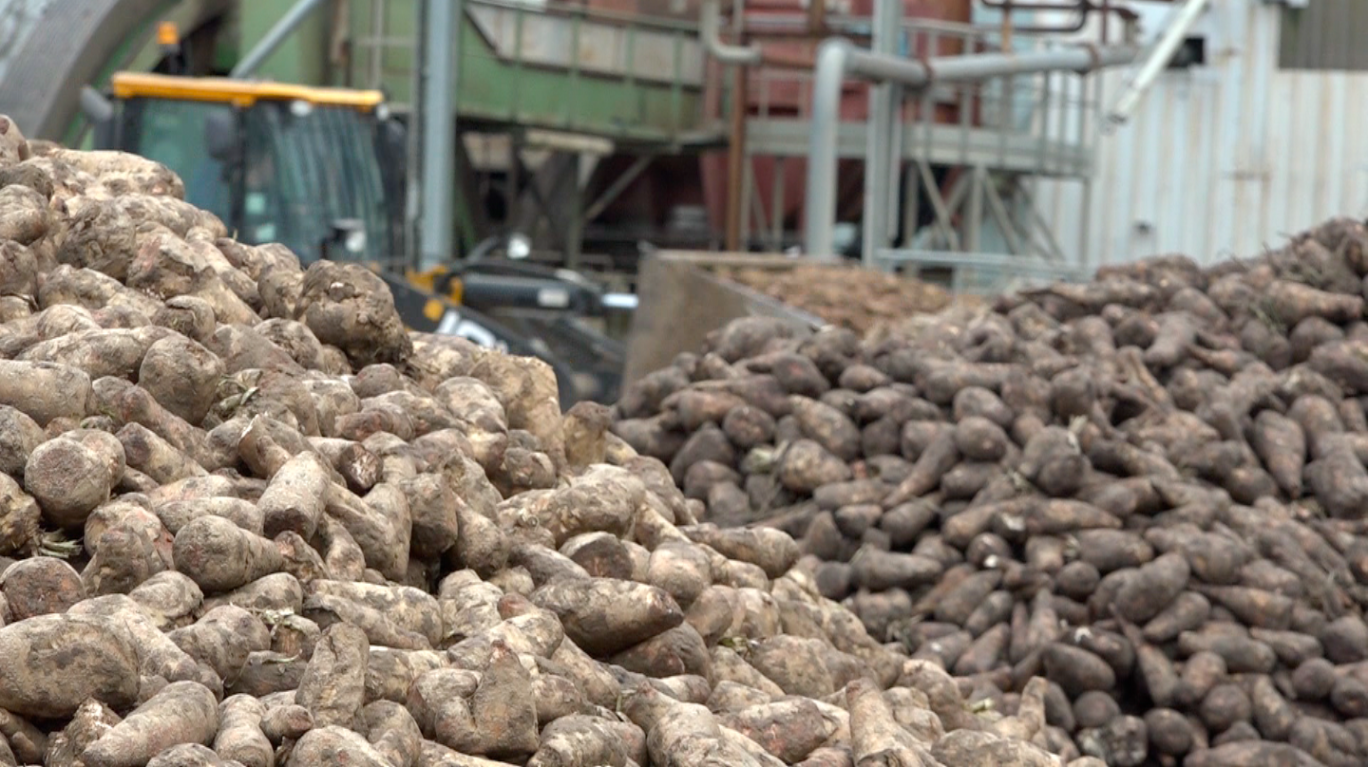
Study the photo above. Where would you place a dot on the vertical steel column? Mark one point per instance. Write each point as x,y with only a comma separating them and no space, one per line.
736,158
377,53
878,148
777,205
574,228
893,170
413,149
441,45
973,218
819,207
911,203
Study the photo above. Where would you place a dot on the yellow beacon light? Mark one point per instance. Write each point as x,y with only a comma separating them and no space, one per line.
167,34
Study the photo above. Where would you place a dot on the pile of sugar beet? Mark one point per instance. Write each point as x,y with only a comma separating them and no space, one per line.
246,518
1150,489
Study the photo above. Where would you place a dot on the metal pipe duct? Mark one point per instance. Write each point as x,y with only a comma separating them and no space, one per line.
710,30
1084,8
837,60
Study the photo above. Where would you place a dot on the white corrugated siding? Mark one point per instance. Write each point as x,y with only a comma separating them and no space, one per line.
1222,160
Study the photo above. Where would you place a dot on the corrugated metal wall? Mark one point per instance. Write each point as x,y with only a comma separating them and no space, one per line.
1224,159
1326,34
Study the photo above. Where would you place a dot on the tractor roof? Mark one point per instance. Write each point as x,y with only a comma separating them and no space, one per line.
242,93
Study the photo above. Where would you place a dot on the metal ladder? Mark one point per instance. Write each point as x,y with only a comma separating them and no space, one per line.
373,46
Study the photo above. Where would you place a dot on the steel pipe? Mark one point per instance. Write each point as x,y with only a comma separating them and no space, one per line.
884,99
710,34
268,45
1084,8
736,160
441,37
95,106
1173,36
837,59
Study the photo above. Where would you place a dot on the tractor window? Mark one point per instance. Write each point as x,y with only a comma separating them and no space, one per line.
365,181
171,132
306,171
271,189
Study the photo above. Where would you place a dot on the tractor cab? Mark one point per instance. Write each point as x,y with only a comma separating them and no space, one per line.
297,165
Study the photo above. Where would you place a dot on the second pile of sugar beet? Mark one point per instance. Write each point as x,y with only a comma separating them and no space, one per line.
1150,488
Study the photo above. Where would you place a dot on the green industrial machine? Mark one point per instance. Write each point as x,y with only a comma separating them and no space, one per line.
631,79
305,167
280,163
603,92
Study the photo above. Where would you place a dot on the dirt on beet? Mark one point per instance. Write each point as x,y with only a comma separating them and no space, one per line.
848,296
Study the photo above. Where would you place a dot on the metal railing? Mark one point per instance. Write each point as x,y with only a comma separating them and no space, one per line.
980,273
1035,123
893,75
1053,110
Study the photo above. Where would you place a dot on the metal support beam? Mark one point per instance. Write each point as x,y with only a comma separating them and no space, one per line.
883,112
944,222
540,188
972,220
440,50
1016,245
911,203
710,34
273,39
837,59
609,196
574,231
777,205
736,161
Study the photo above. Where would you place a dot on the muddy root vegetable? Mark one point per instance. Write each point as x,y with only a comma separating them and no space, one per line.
604,616
220,556
68,480
99,660
44,391
294,500
333,686
182,712
333,744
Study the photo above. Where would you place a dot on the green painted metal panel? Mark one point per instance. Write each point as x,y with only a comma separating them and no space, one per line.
138,52
303,58
517,89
